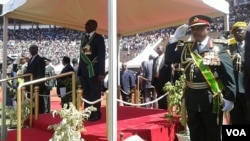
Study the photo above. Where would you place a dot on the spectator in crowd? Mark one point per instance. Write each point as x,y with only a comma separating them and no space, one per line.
64,84
237,52
161,74
127,82
36,66
92,67
203,96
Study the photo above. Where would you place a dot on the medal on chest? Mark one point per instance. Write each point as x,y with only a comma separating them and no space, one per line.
211,57
87,49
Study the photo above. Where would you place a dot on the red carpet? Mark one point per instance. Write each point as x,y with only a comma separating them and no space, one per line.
147,123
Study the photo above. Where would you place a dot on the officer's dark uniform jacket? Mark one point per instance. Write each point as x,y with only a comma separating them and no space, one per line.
247,65
199,97
237,53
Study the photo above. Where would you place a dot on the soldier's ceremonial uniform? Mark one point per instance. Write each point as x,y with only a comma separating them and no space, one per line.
209,79
237,52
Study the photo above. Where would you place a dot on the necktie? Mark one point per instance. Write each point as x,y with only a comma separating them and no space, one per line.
31,59
198,47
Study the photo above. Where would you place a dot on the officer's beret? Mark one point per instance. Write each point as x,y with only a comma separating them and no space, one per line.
238,25
200,20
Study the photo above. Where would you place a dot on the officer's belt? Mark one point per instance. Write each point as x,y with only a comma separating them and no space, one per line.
197,85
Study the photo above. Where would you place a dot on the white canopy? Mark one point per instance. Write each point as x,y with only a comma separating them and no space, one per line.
134,16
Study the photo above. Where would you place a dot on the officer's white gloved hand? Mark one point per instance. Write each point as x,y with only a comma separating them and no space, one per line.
179,33
227,105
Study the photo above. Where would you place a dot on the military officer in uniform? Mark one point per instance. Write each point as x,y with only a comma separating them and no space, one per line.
49,71
206,63
237,52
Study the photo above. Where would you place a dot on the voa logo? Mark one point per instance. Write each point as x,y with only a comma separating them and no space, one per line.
236,132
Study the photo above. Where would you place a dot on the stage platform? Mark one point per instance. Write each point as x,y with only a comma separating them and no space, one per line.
149,124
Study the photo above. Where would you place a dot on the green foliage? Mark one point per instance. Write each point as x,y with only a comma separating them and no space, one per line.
71,126
11,112
175,93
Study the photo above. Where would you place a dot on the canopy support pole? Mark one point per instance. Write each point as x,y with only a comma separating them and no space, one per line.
112,86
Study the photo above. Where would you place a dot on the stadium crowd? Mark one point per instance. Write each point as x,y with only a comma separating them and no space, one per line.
55,42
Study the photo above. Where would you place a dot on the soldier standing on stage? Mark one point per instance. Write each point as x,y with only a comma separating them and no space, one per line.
207,66
49,71
237,52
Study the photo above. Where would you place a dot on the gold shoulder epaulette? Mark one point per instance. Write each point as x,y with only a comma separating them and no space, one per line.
220,41
231,41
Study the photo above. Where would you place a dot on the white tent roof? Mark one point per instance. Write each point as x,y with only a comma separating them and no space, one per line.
149,50
133,16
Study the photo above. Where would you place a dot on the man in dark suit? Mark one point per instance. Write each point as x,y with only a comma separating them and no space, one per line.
237,52
206,62
161,74
91,69
36,66
63,83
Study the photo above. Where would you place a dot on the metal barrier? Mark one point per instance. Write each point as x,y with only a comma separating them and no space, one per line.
78,97
22,98
19,76
154,94
19,90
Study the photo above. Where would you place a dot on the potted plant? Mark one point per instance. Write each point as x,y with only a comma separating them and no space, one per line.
11,112
176,105
71,125
175,95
